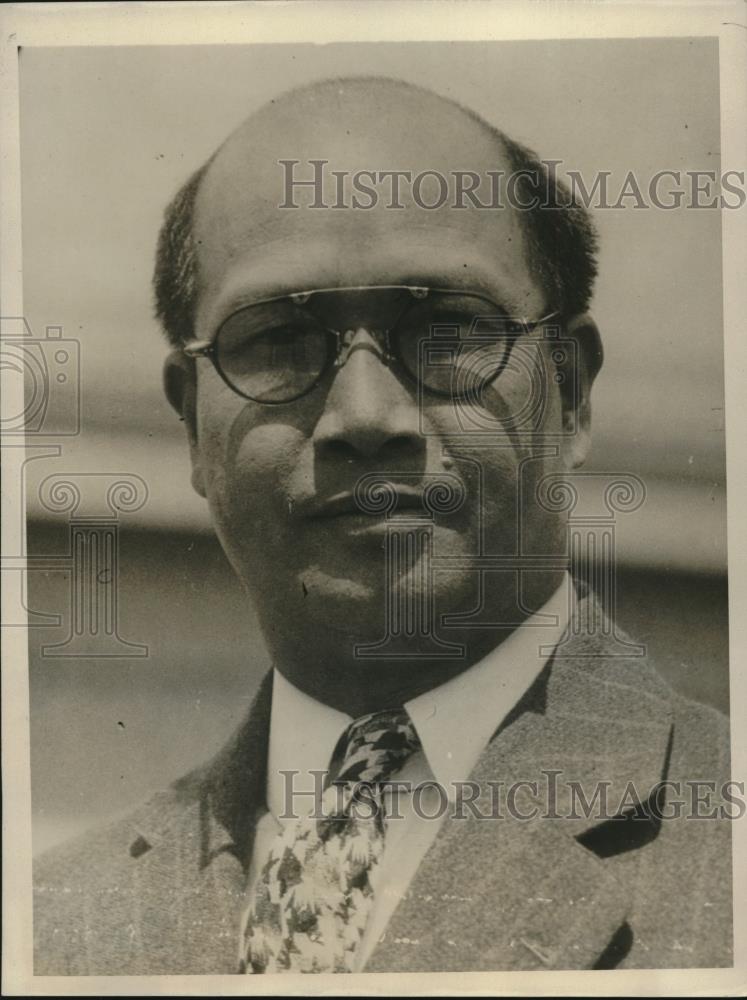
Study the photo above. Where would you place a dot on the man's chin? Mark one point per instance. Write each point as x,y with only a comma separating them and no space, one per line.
355,605
321,587
363,607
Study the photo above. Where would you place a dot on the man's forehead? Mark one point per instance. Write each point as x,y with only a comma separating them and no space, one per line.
360,117
372,126
385,126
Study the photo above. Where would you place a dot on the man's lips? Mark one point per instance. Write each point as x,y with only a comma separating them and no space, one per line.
402,499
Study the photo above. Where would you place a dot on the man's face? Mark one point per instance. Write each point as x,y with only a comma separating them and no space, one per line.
279,478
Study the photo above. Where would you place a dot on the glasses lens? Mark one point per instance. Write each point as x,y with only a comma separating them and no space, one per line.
272,353
455,344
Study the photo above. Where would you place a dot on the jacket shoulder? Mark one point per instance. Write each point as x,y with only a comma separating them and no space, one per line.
683,914
155,892
92,881
702,741
103,843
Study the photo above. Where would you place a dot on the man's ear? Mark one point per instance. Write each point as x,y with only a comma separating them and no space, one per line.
575,388
180,386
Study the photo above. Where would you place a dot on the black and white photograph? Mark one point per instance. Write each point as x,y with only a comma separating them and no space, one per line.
369,602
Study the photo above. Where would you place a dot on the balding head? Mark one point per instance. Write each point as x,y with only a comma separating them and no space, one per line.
251,242
367,124
364,121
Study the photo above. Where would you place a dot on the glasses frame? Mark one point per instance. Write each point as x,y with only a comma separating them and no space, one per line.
339,340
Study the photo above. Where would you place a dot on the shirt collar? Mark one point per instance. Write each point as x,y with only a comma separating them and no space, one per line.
303,736
454,721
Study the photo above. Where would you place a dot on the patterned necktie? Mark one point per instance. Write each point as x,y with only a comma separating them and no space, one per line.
314,895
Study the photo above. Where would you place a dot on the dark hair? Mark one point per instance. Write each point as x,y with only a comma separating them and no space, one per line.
175,274
562,239
562,243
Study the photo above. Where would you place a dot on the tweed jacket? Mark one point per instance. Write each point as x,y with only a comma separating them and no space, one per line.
163,890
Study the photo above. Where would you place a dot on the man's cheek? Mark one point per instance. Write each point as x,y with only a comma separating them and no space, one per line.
252,477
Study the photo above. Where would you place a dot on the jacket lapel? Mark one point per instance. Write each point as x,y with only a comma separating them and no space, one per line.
192,847
234,790
512,893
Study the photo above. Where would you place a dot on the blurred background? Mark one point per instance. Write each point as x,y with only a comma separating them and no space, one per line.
107,135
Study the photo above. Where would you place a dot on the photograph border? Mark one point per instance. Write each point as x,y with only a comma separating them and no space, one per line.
321,22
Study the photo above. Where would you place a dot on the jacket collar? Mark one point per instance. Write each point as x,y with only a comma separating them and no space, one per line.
234,789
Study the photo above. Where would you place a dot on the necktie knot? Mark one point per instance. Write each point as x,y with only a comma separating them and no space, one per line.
376,746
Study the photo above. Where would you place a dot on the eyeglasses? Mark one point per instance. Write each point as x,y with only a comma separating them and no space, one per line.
451,343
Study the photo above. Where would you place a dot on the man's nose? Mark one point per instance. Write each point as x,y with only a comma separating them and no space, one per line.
368,413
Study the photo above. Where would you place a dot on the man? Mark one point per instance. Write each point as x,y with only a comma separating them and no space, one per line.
382,397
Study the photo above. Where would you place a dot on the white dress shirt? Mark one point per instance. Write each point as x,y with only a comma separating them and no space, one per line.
454,722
